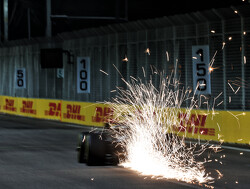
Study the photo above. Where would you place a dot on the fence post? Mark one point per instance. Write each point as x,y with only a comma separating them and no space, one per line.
243,103
223,58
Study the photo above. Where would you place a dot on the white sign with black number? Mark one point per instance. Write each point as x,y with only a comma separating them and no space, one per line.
83,75
201,74
20,78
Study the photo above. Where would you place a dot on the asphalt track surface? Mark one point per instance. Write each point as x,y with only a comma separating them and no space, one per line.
39,154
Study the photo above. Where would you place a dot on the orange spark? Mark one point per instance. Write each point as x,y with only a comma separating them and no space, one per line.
211,69
223,45
125,59
147,51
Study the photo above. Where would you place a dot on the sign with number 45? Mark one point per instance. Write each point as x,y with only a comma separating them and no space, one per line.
201,74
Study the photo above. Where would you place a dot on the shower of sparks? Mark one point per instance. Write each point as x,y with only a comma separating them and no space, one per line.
151,142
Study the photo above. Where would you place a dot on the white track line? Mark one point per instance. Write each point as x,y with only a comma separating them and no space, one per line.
223,146
236,148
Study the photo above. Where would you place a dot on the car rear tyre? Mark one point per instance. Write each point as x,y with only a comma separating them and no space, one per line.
94,149
81,148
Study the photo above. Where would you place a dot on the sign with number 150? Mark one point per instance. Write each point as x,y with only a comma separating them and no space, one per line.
201,74
83,75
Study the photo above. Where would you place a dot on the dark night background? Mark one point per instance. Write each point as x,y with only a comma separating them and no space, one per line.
136,9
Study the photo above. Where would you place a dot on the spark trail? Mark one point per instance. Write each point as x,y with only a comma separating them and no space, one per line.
152,145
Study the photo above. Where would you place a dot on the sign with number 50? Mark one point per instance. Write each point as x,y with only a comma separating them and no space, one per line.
201,74
83,75
20,78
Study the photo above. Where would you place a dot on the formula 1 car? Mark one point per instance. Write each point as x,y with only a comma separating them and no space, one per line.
99,147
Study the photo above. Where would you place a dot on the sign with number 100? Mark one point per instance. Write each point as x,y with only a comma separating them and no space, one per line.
20,78
201,74
83,75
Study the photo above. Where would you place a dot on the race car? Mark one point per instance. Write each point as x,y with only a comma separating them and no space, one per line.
99,147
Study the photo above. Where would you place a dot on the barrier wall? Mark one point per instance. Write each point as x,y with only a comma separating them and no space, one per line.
223,126
83,113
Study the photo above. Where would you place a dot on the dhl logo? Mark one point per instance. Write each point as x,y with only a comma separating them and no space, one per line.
73,112
104,115
54,109
27,107
192,120
194,123
9,105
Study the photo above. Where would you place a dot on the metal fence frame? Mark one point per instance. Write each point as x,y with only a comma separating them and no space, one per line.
108,45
